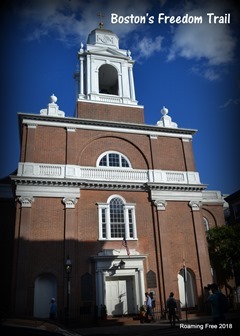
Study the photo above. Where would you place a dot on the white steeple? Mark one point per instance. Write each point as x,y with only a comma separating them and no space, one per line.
105,72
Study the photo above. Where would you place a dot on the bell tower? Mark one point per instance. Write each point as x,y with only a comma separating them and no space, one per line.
105,83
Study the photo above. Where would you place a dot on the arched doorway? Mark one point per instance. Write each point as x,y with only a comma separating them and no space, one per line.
108,80
186,287
45,288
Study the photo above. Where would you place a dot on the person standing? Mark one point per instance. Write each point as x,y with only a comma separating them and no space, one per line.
53,309
171,308
149,312
153,305
216,298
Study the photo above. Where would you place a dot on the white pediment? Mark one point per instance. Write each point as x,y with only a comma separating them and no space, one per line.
106,51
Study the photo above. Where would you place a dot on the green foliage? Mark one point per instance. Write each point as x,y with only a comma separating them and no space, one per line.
224,251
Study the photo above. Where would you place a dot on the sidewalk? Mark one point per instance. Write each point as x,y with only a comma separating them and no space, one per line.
129,327
160,327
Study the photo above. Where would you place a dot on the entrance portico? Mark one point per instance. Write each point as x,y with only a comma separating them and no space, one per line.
119,282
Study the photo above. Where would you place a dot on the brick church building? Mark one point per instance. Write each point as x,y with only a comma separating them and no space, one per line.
107,207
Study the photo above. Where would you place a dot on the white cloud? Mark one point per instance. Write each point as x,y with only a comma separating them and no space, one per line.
209,73
72,21
215,47
211,43
147,46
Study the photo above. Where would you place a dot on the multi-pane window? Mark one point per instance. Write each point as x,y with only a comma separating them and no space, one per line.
117,223
130,219
104,221
113,159
116,219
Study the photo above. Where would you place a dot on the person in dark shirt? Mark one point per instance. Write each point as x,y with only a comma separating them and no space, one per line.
53,309
171,308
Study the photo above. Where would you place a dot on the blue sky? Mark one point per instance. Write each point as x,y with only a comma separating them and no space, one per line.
192,69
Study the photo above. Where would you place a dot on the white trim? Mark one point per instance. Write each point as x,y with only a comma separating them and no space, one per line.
212,197
106,174
105,264
113,152
205,224
105,128
185,196
114,196
126,207
46,191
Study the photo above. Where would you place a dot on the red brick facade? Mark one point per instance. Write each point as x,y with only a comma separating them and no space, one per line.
47,231
111,112
68,205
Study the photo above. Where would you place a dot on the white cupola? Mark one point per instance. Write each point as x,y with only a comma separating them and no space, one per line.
105,72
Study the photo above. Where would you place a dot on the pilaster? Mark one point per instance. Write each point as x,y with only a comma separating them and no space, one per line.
70,242
71,145
204,267
30,143
162,239
23,262
188,154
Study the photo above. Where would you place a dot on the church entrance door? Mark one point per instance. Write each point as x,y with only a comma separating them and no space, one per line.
120,295
45,288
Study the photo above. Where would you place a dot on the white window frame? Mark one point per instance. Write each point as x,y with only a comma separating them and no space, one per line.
113,152
126,208
206,224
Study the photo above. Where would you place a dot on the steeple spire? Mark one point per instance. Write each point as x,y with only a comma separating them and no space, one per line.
100,16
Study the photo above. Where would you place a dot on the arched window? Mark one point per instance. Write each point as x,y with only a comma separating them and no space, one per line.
108,79
116,219
186,287
113,159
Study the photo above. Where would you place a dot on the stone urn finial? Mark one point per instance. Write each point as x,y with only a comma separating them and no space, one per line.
164,110
53,98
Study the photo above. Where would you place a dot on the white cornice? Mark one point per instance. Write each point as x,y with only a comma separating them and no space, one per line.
175,195
118,129
109,102
26,190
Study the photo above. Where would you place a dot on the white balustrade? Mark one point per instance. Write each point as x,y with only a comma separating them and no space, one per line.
29,169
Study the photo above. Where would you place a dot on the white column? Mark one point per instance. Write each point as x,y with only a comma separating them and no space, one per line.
141,286
120,93
81,79
132,90
88,74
